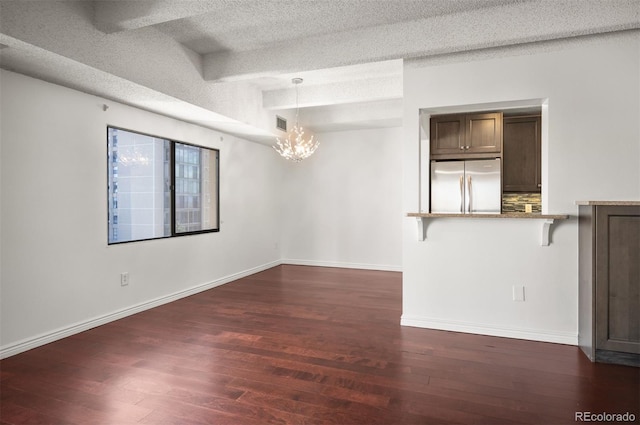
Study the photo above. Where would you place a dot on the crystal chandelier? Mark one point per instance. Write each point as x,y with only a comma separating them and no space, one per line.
294,147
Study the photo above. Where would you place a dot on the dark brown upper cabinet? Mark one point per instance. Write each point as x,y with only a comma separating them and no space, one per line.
522,154
447,134
458,136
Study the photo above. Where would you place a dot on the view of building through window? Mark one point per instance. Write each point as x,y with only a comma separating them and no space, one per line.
194,176
141,183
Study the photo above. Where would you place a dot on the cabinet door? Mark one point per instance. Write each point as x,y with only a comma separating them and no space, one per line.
447,134
484,133
522,154
618,278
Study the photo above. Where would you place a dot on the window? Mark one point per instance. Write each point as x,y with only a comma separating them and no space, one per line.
159,188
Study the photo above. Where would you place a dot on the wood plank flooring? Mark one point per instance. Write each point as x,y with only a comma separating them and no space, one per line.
303,345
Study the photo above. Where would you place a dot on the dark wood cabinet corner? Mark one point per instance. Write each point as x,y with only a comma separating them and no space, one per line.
609,283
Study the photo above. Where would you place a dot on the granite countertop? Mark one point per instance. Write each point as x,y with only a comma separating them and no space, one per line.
621,203
496,215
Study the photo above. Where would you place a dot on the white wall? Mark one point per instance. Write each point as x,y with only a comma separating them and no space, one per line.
58,273
461,276
343,205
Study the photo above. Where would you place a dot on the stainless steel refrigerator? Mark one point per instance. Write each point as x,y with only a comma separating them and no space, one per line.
466,187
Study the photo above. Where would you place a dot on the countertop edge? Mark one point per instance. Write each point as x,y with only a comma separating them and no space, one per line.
505,215
621,203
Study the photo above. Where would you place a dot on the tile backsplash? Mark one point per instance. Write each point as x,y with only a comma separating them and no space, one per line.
516,202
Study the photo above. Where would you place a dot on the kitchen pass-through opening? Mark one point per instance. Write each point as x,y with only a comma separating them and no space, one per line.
485,158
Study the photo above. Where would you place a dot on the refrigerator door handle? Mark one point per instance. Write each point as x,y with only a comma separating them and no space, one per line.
461,194
469,198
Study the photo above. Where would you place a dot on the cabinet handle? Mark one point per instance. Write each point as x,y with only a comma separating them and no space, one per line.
461,148
466,147
469,198
539,184
461,194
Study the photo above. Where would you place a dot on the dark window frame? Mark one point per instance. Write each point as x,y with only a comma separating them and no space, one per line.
172,189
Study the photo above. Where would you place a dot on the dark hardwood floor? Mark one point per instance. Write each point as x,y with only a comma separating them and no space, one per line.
304,345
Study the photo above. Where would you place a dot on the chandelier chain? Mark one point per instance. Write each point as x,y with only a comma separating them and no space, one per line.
297,104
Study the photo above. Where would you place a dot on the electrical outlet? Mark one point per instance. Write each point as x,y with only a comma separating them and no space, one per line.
528,208
124,279
518,293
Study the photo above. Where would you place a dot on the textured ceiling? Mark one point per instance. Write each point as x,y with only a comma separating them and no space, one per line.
251,25
228,64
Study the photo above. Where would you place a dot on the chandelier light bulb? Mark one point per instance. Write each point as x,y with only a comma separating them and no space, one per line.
294,147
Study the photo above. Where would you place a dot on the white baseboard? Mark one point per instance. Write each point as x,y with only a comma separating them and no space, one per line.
482,329
60,333
363,266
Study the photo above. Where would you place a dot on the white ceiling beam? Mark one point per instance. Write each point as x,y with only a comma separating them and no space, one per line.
364,90
124,15
384,113
506,25
25,58
66,31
